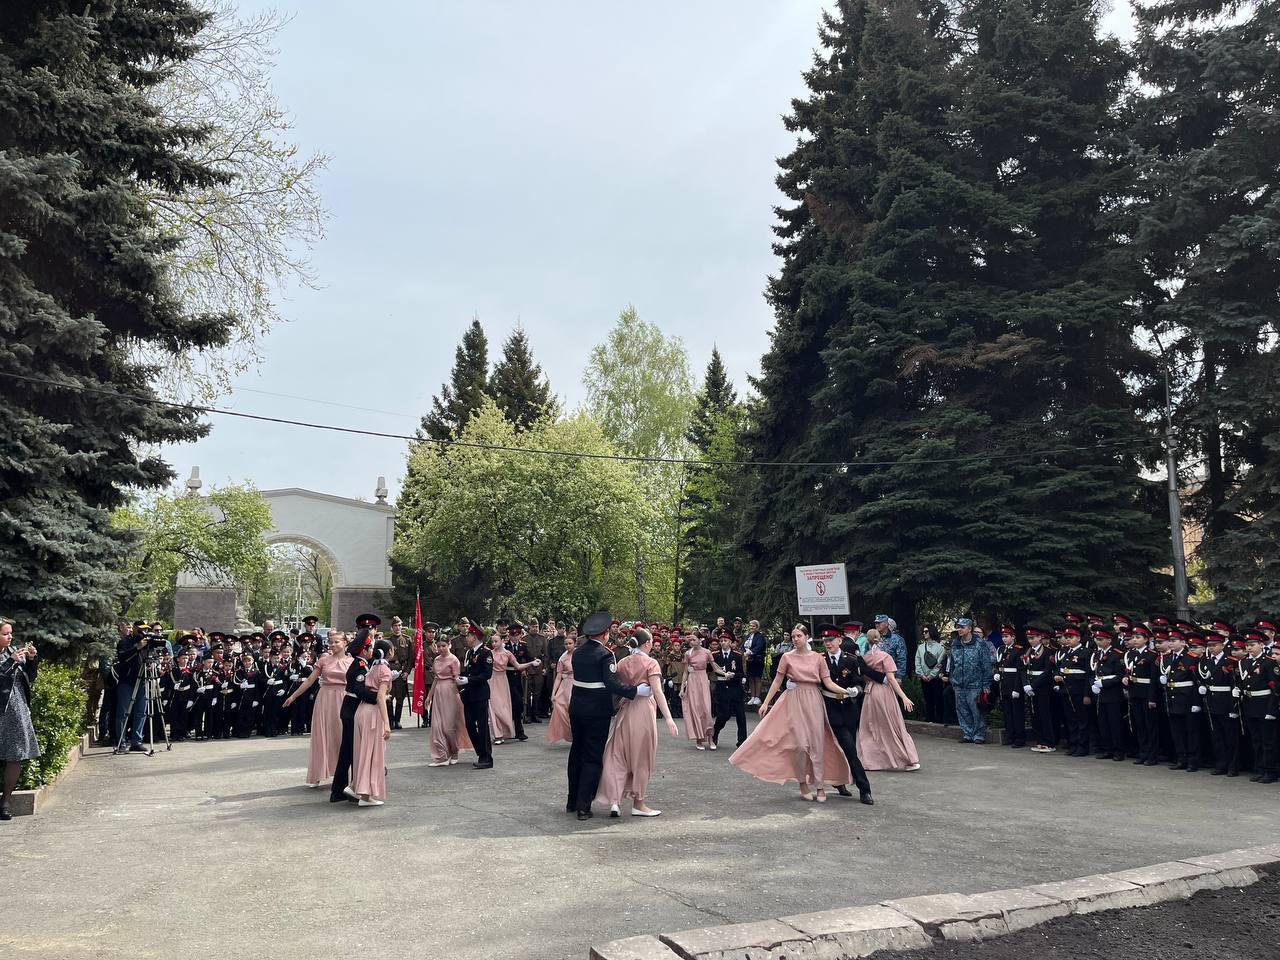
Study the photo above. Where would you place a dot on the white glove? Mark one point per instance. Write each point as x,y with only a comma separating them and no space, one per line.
213,702
790,685
463,681
1097,686
1235,692
1027,690
254,704
1056,688
1202,689
995,677
1016,695
644,690
689,669
1164,678
852,691
293,676
395,674
1269,716
537,663
1234,716
1195,709
244,684
279,693
190,704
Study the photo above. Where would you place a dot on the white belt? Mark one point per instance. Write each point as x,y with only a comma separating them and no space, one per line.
1259,693
1140,679
1008,669
589,684
831,696
1066,670
1183,683
1219,689
1037,673
1109,676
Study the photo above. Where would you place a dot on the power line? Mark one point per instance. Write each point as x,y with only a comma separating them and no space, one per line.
570,454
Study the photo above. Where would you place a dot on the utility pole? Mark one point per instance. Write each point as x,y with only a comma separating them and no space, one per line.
1175,505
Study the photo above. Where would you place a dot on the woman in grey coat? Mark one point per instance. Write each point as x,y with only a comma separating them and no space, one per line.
17,734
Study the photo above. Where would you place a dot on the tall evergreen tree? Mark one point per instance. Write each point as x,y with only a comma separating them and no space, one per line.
518,385
465,392
1206,228
83,292
716,397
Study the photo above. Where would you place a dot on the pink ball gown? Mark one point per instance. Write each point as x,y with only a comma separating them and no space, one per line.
794,741
633,742
697,695
448,727
558,729
369,750
326,722
501,726
883,741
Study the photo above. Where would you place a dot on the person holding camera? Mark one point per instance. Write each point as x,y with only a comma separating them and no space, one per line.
17,733
131,700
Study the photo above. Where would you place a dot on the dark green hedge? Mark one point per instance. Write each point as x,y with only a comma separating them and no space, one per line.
57,709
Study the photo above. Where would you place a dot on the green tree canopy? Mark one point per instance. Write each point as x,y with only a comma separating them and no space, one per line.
468,385
518,385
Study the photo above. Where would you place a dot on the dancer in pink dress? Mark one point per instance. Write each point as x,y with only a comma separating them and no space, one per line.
372,731
448,726
795,740
558,728
500,722
633,742
326,725
883,741
695,693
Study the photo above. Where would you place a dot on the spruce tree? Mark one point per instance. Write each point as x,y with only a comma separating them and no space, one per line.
83,294
1205,223
518,385
715,398
462,395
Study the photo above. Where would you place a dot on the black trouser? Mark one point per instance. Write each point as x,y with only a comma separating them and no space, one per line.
932,690
586,757
516,684
476,716
1042,714
1015,718
1184,728
300,714
178,717
346,750
1263,734
673,699
533,683
846,732
1143,717
271,712
1076,713
1111,727
727,707
395,702
1225,732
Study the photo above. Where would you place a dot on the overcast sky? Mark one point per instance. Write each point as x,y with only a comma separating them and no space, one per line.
545,164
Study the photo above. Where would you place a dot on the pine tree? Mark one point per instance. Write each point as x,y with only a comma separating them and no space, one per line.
518,385
83,292
462,395
1205,223
715,398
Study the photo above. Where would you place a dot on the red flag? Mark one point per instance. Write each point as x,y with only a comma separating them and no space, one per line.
419,663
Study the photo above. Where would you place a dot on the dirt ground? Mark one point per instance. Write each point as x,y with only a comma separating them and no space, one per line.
1231,924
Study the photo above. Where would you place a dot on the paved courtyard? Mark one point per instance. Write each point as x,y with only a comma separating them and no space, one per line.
216,850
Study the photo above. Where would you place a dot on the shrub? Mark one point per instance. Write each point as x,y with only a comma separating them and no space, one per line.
57,709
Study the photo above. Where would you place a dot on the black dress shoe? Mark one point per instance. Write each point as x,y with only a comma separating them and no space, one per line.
1151,763
1193,769
1218,773
1118,758
585,814
1269,778
1232,773
843,790
570,807
866,798
483,764
1178,766
522,738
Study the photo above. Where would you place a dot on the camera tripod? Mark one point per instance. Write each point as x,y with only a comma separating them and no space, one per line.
146,684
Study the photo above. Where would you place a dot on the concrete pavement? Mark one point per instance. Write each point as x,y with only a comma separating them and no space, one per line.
216,850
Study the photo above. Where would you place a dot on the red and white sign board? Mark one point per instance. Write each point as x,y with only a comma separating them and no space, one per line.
822,589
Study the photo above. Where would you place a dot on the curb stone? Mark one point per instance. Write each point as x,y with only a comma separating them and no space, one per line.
27,803
917,922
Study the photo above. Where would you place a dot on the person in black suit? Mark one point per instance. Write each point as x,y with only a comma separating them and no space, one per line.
477,668
595,684
847,670
727,696
355,693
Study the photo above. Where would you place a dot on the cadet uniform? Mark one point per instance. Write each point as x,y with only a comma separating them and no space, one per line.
727,697
1073,676
1180,680
276,676
848,670
520,650
1107,665
1038,687
1219,676
535,679
473,682
1258,706
356,693
1011,674
1142,686
183,685
595,684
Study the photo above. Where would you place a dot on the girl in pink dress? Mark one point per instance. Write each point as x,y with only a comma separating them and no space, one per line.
633,742
326,725
448,726
795,741
372,731
883,741
695,693
500,722
558,729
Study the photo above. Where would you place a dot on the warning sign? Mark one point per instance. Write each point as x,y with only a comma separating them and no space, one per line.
822,589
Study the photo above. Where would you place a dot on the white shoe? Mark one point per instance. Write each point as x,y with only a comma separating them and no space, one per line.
371,803
698,746
614,811
712,746
644,813
496,742
914,766
313,785
753,702
347,791
439,763
452,761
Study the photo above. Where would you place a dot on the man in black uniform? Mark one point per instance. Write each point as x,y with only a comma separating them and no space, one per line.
727,695
1107,665
1218,680
848,670
1072,680
1180,679
1142,686
356,693
1011,675
595,684
1038,688
1258,706
477,668
182,687
300,670
276,673
520,650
